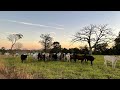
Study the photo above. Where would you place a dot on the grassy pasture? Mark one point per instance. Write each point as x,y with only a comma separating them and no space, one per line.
12,68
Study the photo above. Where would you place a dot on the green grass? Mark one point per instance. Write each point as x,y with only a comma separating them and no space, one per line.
13,68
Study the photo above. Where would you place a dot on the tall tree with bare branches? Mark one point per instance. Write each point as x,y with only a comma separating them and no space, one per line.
94,35
46,41
13,38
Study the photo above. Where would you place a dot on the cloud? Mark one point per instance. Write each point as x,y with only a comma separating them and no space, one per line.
11,32
32,24
57,24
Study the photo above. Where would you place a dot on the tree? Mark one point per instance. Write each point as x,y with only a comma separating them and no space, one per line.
117,40
2,50
64,50
74,50
46,41
84,50
116,48
18,45
14,38
101,48
56,44
56,47
94,35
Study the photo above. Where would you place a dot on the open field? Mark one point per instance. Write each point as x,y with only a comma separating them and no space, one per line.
12,68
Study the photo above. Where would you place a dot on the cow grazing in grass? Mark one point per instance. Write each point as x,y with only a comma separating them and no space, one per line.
35,56
43,56
59,56
16,54
82,58
7,54
68,57
89,58
47,56
63,56
39,56
54,56
23,57
77,57
113,59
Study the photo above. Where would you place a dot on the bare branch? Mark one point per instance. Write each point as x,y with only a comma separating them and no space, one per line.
93,34
46,41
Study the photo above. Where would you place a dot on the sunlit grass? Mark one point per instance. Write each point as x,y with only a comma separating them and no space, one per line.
33,69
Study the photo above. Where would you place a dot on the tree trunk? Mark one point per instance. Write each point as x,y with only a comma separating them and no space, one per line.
11,49
45,47
90,48
90,52
12,46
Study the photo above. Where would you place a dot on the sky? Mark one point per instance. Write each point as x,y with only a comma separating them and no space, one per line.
61,25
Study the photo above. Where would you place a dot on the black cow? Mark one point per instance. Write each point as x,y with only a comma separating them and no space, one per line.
90,58
82,58
23,57
75,57
54,57
40,56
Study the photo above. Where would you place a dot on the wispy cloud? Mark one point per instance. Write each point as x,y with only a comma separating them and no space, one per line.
11,32
32,24
57,24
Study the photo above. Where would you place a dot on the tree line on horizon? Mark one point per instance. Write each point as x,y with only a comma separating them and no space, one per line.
98,38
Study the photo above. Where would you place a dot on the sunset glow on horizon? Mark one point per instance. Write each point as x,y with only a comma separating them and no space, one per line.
61,25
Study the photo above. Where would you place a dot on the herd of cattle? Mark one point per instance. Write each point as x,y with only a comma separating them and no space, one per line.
66,57
59,56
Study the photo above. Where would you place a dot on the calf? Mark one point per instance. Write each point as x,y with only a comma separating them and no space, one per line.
23,57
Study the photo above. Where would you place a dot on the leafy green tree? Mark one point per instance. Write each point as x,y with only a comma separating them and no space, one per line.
116,48
56,47
3,50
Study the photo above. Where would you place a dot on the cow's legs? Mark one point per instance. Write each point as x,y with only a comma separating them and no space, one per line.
75,60
91,63
22,61
115,63
81,61
105,63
